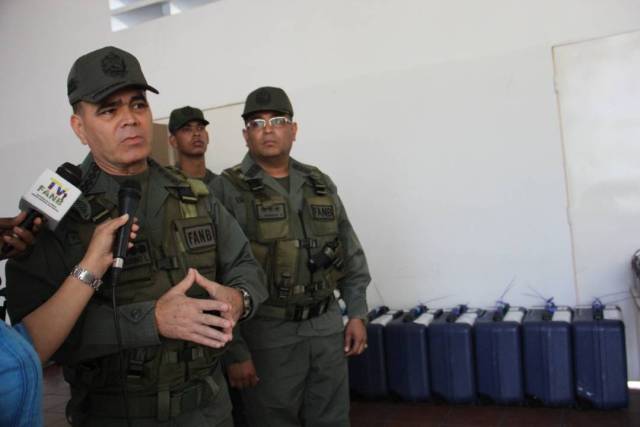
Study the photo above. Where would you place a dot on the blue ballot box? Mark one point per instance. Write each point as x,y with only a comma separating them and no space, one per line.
367,371
498,345
547,355
406,344
600,356
451,355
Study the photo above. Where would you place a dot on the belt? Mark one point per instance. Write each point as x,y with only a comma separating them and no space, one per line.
296,312
162,406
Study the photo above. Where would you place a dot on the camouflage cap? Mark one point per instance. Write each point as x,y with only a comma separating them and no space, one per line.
267,98
181,116
98,74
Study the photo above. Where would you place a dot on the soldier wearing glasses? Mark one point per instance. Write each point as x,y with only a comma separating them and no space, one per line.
290,360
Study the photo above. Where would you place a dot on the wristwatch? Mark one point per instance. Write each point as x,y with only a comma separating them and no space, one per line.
86,277
247,303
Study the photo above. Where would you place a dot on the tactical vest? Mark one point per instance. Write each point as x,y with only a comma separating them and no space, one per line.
299,250
174,377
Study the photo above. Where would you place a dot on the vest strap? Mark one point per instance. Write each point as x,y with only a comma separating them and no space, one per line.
319,186
136,364
187,195
100,209
255,184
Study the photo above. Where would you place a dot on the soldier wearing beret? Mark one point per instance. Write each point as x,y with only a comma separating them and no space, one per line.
290,360
188,135
185,283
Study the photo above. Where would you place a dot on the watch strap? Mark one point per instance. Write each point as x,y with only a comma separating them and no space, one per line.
247,303
86,277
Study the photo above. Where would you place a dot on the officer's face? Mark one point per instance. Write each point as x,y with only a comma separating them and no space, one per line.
118,131
270,142
191,139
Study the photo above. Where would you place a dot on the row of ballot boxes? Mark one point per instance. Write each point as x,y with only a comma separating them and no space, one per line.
555,356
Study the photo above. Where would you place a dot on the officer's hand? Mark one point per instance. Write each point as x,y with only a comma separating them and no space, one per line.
99,255
231,296
181,317
242,374
17,239
355,337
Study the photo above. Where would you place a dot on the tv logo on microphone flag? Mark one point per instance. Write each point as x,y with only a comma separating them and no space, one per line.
55,192
52,196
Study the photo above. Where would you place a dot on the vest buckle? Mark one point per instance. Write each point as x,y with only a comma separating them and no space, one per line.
186,195
255,184
136,364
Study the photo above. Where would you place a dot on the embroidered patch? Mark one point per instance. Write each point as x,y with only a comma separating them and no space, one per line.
199,236
272,212
113,65
323,212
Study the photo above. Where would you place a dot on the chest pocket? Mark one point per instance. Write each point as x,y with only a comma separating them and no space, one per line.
272,216
196,239
136,277
324,215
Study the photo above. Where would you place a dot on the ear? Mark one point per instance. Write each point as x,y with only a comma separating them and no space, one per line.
245,134
173,141
77,124
294,130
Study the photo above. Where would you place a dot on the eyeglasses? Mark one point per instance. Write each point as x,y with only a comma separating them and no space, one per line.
275,122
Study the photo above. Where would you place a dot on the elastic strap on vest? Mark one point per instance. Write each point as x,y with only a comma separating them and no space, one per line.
319,186
315,177
188,194
247,181
100,208
90,178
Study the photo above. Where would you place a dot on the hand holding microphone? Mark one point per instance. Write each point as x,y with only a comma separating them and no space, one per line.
50,198
15,239
99,256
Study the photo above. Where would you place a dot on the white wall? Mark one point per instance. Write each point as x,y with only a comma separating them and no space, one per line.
437,119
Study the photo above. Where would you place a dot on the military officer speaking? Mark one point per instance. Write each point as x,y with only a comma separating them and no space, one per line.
190,138
189,278
290,359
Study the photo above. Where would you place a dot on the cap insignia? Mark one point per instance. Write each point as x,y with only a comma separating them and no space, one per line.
113,65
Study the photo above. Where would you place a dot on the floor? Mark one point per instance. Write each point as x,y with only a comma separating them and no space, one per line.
391,414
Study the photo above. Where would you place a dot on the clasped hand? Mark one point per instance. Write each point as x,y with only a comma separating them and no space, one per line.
179,316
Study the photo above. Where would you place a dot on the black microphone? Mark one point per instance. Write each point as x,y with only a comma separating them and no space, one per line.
128,199
50,198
